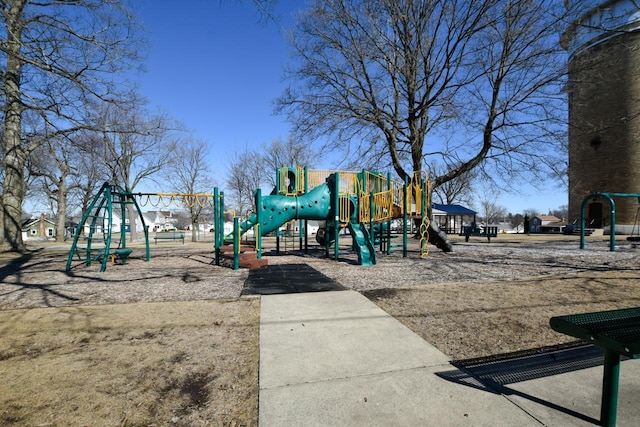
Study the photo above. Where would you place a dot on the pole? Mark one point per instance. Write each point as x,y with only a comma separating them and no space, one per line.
216,225
336,222
610,382
236,244
258,196
405,217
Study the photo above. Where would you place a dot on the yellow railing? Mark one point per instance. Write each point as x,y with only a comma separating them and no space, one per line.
345,208
383,206
415,194
348,180
364,214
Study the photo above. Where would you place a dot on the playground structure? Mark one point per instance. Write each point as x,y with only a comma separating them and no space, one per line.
363,202
100,220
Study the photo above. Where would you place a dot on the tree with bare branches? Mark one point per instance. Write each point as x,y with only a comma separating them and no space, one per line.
291,153
188,172
464,85
137,145
55,56
245,174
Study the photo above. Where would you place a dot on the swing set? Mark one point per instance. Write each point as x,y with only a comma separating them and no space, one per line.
612,204
98,226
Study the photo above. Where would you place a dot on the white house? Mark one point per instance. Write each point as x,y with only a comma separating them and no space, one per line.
160,220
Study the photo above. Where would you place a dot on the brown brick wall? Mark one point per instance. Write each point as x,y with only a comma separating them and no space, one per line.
604,125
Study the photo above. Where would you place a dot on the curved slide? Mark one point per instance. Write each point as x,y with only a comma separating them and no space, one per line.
362,244
439,238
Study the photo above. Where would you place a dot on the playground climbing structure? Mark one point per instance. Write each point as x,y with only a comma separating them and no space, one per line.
94,236
364,202
96,228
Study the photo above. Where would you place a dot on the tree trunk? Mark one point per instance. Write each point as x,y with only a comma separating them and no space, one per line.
194,231
15,154
132,216
62,211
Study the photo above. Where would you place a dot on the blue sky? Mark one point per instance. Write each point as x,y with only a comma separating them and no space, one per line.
216,67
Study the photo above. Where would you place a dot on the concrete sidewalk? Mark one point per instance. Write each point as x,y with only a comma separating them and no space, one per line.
336,359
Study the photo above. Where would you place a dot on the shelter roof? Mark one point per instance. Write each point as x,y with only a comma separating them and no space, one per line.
454,209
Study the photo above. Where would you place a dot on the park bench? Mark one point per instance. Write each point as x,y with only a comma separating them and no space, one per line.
473,230
169,236
618,333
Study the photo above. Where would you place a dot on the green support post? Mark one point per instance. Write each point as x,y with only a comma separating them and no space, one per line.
258,234
236,244
221,218
336,221
372,210
405,218
107,243
123,224
216,225
610,381
301,232
306,222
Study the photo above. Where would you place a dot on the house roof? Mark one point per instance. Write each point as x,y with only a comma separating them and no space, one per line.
454,209
551,218
31,221
159,213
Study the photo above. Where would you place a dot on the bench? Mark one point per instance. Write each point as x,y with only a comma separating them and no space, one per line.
121,254
473,230
169,236
618,333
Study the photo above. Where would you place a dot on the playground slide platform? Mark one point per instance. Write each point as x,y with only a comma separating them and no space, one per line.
336,359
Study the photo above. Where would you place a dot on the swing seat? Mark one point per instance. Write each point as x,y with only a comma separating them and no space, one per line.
633,239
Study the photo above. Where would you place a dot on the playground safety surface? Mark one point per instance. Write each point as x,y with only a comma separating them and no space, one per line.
286,279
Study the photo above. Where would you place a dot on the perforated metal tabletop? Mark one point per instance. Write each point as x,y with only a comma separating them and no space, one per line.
615,330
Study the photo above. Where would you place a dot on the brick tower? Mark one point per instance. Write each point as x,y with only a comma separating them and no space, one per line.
603,42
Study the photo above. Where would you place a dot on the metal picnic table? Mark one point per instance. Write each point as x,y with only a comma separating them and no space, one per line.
618,333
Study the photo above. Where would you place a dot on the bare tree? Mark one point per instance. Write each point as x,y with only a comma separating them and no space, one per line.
281,153
136,144
53,164
56,55
245,175
188,172
457,190
387,79
91,170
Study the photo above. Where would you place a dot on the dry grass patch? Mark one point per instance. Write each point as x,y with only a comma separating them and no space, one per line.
475,319
180,363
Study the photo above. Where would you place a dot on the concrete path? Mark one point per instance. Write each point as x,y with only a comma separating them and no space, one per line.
336,359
